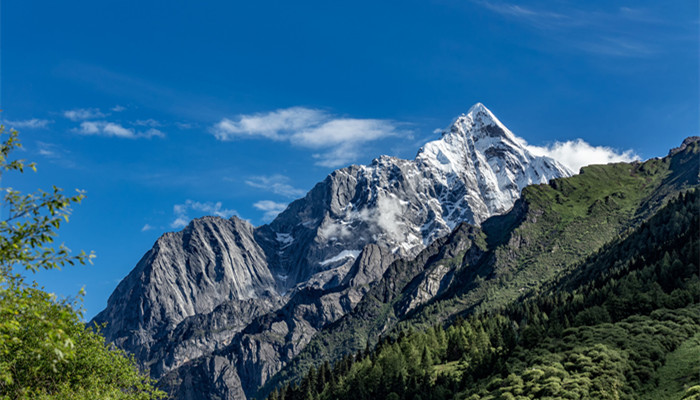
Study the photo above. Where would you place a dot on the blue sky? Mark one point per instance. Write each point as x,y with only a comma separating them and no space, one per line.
167,110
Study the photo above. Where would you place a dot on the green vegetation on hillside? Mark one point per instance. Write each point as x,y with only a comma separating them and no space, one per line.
621,324
681,371
557,226
551,231
46,352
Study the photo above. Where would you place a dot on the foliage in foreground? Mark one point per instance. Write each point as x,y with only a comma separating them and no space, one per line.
603,332
46,352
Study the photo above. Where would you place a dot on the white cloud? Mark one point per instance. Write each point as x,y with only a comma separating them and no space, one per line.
180,222
339,138
151,133
80,114
575,154
387,215
49,150
337,156
271,208
33,123
386,219
389,212
182,211
330,229
277,184
147,227
105,128
343,131
56,154
118,108
270,125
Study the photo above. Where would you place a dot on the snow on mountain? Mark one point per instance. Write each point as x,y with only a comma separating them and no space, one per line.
475,170
221,278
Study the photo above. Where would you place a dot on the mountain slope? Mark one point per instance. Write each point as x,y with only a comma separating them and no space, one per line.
613,327
475,170
549,231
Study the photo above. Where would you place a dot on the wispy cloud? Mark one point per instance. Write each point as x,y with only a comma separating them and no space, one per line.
55,154
575,154
182,211
48,149
276,125
617,47
337,139
539,18
148,122
277,184
105,128
617,32
81,114
147,227
118,108
271,209
34,123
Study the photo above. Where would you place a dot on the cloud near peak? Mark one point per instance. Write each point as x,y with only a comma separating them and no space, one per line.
271,208
337,139
575,154
277,184
275,125
182,211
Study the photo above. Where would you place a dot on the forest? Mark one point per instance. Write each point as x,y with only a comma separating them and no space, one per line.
624,324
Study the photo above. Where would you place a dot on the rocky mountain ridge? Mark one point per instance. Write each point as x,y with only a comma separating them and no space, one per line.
549,232
224,296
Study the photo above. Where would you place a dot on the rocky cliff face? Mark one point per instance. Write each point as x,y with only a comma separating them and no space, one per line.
217,308
211,261
475,170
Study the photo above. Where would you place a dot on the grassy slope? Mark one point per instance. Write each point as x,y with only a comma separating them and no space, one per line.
645,330
552,229
557,227
681,371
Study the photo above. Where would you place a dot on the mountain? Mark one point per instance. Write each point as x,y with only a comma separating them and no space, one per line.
219,307
475,170
550,231
624,323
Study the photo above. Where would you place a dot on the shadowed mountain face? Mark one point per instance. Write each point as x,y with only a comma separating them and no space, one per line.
252,298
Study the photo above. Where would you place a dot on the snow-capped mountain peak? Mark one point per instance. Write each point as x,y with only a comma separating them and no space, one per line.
481,130
476,119
475,170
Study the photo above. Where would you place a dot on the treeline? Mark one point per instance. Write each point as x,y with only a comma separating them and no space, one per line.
601,332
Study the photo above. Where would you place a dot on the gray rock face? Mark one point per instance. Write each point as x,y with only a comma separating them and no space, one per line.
206,378
272,340
190,272
475,170
216,309
204,334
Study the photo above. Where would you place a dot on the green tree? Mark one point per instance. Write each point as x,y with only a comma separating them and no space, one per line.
45,350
